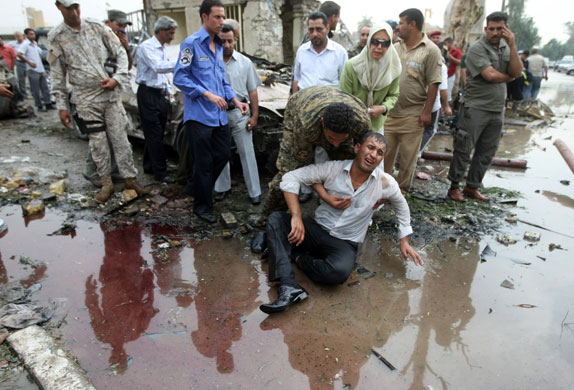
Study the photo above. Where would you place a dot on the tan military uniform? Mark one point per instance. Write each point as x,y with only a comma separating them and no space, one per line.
304,132
78,56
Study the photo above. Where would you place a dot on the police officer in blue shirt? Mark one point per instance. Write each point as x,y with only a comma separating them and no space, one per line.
200,75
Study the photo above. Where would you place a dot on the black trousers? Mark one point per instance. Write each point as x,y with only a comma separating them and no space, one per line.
324,258
153,108
211,148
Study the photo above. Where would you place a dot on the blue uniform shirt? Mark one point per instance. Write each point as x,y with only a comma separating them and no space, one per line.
198,70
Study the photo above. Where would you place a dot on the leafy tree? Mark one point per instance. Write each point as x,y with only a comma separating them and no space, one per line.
522,26
366,21
554,50
569,45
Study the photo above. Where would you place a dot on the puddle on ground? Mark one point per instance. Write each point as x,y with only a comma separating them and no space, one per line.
143,316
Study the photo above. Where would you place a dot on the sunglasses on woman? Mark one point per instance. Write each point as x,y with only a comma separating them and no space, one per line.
377,42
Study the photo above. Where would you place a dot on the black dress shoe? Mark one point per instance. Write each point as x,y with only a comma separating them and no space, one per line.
304,197
219,196
288,295
167,179
255,200
206,216
258,242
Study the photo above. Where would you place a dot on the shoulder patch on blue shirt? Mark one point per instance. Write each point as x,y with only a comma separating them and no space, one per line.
186,56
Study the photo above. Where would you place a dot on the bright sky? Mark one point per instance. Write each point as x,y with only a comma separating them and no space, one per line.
549,15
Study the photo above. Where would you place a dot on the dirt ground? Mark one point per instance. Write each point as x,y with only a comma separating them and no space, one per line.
149,297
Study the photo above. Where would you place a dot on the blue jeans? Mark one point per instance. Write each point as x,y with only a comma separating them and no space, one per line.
536,82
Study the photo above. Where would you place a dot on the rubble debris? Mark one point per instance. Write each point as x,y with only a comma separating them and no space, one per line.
553,246
58,187
486,253
14,159
511,219
226,234
543,228
3,226
229,219
157,199
364,272
19,316
14,292
131,210
541,258
68,228
354,284
35,206
423,176
506,240
532,236
497,161
49,197
382,359
512,201
507,284
525,305
129,195
565,182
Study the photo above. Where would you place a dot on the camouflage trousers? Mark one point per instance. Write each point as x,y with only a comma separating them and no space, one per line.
111,116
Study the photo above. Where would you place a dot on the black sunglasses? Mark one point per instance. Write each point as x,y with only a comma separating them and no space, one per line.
377,42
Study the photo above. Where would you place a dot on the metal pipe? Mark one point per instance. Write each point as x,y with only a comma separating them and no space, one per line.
498,161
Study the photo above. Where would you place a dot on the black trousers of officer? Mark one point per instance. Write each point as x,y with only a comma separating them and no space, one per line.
153,108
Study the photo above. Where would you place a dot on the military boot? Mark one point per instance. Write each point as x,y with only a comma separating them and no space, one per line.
131,183
106,191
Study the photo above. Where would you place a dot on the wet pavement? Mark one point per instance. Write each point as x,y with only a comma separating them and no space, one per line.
143,314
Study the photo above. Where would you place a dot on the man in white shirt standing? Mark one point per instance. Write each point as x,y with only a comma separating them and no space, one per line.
20,65
241,74
537,66
325,247
154,93
321,60
30,53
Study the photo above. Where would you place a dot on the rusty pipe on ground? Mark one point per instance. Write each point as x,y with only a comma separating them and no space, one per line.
565,152
498,161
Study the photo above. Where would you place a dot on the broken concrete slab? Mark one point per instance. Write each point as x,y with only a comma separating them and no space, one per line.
129,195
47,361
532,236
58,187
506,240
35,206
229,220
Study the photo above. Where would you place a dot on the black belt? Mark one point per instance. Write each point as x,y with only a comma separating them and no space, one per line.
155,90
232,106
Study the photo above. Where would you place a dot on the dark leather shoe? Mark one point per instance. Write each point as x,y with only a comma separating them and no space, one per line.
206,216
258,242
255,200
167,179
456,195
473,193
287,295
219,196
304,197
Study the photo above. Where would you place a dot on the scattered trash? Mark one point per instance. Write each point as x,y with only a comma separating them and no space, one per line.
565,182
511,219
382,359
506,240
164,245
532,236
229,220
486,253
35,206
448,218
131,210
158,199
553,246
541,258
68,228
507,284
14,292
58,187
80,198
226,234
14,159
423,176
246,228
3,226
363,272
525,305
258,242
512,201
519,261
472,219
49,197
354,284
19,316
129,195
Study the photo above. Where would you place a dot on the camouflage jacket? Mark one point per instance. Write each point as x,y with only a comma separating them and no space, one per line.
78,56
303,131
354,51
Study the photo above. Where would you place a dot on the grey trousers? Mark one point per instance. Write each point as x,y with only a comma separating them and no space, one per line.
39,85
479,130
21,73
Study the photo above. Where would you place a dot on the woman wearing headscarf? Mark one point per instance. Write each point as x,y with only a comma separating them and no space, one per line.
373,75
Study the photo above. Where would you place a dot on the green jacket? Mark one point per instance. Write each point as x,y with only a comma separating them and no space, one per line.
387,96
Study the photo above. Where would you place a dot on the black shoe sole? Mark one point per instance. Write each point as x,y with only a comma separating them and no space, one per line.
271,310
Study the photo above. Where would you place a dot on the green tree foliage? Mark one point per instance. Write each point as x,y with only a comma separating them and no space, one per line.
365,21
555,50
522,26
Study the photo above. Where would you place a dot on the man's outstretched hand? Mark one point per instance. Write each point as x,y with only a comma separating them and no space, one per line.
297,234
407,250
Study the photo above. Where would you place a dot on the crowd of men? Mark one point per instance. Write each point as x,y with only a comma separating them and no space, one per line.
328,145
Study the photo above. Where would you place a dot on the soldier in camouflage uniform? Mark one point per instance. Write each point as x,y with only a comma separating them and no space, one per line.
312,119
78,49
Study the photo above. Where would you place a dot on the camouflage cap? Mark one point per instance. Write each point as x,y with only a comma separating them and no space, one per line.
118,16
68,3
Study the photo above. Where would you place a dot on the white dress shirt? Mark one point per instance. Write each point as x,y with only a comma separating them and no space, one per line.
325,68
153,65
352,223
32,52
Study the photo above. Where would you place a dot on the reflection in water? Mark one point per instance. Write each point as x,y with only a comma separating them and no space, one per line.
167,266
445,308
333,335
226,290
563,200
123,309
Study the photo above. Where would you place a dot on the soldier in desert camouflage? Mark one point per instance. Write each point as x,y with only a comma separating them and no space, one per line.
84,50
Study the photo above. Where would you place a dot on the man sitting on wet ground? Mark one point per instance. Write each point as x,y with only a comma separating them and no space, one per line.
325,247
